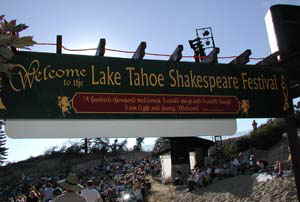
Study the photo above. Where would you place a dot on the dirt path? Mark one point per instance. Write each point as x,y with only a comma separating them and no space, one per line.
161,192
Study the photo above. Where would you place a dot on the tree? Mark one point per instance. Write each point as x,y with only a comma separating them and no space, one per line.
10,41
230,151
122,146
74,149
139,142
161,144
86,144
100,145
118,146
114,146
3,149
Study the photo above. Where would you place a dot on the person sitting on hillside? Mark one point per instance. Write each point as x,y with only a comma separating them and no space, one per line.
209,171
21,198
57,192
33,196
72,188
137,192
219,172
244,162
227,170
262,165
199,176
179,178
90,193
278,169
206,176
252,160
191,180
235,166
47,192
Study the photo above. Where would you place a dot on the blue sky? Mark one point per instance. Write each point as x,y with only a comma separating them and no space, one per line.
237,25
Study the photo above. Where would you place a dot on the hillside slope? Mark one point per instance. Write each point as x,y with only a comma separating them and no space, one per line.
237,189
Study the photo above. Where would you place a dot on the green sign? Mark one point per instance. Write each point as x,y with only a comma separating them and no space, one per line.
52,86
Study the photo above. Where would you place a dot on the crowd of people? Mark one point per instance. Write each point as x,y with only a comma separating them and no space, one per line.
111,181
214,170
118,180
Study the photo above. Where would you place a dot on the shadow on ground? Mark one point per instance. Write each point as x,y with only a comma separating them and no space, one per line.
241,186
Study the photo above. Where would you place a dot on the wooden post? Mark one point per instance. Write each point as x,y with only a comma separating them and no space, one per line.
58,44
212,57
242,58
140,51
177,54
270,60
101,48
294,144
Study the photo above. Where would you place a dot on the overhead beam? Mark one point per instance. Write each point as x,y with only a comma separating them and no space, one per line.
243,58
177,54
58,44
101,48
270,60
212,57
140,51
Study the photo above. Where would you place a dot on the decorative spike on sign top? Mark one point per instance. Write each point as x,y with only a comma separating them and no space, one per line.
140,51
270,60
177,54
58,44
101,48
243,58
212,57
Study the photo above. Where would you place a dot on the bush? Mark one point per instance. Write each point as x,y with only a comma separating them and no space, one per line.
267,136
230,150
263,138
243,143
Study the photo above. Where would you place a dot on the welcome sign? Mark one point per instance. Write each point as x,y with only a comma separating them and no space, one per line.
52,86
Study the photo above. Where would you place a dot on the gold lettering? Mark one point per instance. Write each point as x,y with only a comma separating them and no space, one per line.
212,83
130,70
199,81
173,80
219,81
83,73
205,79
235,83
93,76
118,78
225,82
51,74
160,80
72,72
59,73
244,75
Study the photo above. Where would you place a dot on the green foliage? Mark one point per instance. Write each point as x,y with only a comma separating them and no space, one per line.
74,149
161,144
264,137
100,145
139,142
230,150
86,144
3,149
267,135
10,40
243,143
